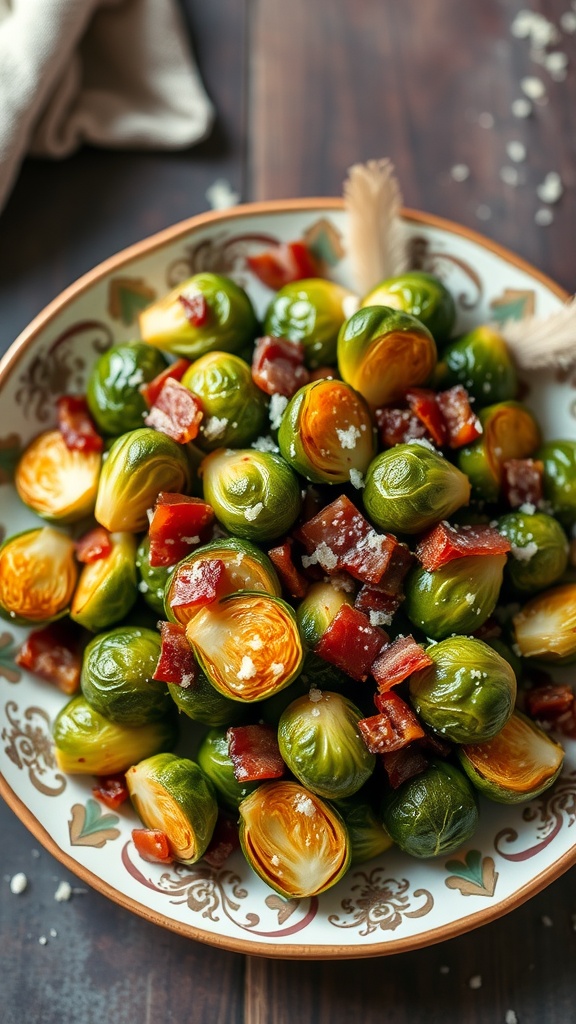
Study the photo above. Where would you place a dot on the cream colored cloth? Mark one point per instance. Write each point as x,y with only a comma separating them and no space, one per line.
115,73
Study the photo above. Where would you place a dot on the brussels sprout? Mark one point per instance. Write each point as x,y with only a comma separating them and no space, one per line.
140,464
317,610
539,550
57,482
87,743
234,408
467,694
559,459
215,762
204,313
519,763
327,433
202,703
107,590
411,487
422,295
38,575
545,628
509,432
113,392
245,568
293,840
456,598
480,360
247,644
152,578
117,673
312,312
320,742
432,813
368,837
172,794
382,353
255,495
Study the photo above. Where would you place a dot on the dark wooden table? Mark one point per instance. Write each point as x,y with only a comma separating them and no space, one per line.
303,89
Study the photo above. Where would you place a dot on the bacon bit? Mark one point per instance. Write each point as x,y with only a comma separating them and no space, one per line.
293,582
197,584
422,402
152,389
400,562
490,630
351,643
93,546
278,366
374,599
178,524
76,425
549,701
398,426
566,723
462,425
286,262
225,840
53,653
403,764
433,745
177,412
444,542
176,663
352,543
393,728
398,661
196,309
111,790
254,752
522,482
153,845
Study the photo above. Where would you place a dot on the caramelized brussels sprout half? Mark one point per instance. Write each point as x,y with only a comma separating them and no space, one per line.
293,840
255,495
140,464
383,353
57,482
202,703
519,763
234,408
422,295
432,813
215,762
326,433
456,598
38,575
539,550
368,837
467,694
559,459
411,487
172,794
204,313
107,588
152,579
481,362
247,644
87,743
509,432
545,628
117,673
317,610
312,312
113,392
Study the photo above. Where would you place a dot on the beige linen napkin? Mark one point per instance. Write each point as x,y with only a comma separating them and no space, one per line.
115,73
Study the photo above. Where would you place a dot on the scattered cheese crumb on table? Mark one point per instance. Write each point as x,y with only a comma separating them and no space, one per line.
475,981
18,883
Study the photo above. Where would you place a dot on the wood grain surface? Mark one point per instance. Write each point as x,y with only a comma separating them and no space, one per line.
303,89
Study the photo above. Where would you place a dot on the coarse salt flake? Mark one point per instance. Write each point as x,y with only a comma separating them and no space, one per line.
18,883
510,1017
256,643
304,805
314,694
252,512
379,618
475,981
551,189
265,444
214,427
277,668
460,172
532,87
42,941
63,892
516,151
356,479
221,195
348,437
277,408
521,107
524,553
247,668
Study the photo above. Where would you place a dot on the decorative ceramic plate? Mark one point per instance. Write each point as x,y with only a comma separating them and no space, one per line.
388,905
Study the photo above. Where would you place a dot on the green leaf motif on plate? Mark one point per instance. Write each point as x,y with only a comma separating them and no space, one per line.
10,451
8,650
127,297
513,304
473,876
88,826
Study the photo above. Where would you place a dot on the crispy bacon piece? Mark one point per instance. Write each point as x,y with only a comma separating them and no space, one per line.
111,790
404,763
462,424
76,425
398,661
377,604
422,402
177,412
351,643
339,537
196,309
94,545
178,524
549,701
224,841
197,584
53,653
254,752
397,426
286,262
176,663
293,582
278,366
522,482
152,844
393,728
152,389
444,542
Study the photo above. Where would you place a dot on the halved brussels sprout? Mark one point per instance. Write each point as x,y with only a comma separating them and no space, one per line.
411,487
57,482
294,841
317,610
383,353
117,673
234,408
519,763
327,434
38,574
87,743
204,313
422,295
545,628
215,762
481,362
467,694
509,432
203,703
247,644
312,312
172,794
368,837
432,813
320,742
559,459
255,495
114,399
539,550
107,588
456,598
140,464
152,578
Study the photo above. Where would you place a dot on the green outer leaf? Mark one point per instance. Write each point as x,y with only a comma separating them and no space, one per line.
113,394
255,495
456,598
420,294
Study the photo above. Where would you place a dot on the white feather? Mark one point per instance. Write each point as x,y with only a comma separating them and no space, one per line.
538,343
376,236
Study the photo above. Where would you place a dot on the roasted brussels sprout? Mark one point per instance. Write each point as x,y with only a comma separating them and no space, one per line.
117,673
520,762
204,313
140,464
113,393
234,408
312,312
87,743
509,432
456,598
467,694
432,813
107,588
215,762
383,353
481,362
202,703
539,550
296,842
255,495
38,575
320,742
559,459
317,610
422,295
152,578
326,433
57,482
368,837
172,794
545,628
411,487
